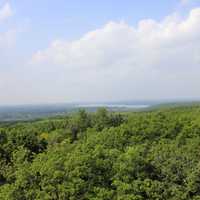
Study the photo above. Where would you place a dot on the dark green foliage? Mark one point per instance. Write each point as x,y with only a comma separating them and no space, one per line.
103,156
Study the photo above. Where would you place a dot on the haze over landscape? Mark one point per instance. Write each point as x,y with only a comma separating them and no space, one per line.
94,51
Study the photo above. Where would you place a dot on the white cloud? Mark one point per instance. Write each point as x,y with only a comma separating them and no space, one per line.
118,61
5,12
152,60
120,41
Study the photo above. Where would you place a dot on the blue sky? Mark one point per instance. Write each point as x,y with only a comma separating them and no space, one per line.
61,51
47,20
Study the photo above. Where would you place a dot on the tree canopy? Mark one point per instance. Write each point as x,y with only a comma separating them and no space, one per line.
151,155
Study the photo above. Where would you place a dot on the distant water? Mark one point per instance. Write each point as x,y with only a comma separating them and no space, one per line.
134,106
30,112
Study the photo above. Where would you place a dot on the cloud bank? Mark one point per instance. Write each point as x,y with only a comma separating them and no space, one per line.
118,61
152,60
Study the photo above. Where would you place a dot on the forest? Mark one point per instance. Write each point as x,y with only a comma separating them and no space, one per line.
148,155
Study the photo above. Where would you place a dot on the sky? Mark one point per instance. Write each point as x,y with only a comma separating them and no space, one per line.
91,51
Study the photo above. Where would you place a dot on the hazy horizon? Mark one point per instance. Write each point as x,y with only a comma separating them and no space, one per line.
114,102
99,51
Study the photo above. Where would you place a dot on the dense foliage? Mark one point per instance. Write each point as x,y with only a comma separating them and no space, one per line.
103,156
